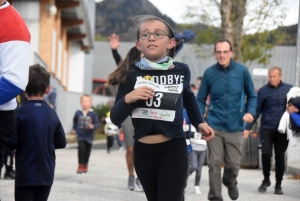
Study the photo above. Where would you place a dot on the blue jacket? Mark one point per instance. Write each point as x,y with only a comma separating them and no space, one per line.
81,125
271,103
227,88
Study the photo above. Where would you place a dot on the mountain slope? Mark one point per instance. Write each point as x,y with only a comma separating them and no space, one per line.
115,16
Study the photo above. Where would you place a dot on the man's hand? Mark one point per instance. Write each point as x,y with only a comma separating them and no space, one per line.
292,109
91,126
246,133
208,133
248,118
114,41
73,132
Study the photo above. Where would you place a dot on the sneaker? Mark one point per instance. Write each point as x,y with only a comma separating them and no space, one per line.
264,185
233,193
9,175
278,190
197,190
131,183
80,168
138,185
121,148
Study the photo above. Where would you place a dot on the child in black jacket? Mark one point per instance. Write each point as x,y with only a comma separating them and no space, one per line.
38,132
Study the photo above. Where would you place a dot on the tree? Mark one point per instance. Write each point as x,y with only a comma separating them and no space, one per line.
236,18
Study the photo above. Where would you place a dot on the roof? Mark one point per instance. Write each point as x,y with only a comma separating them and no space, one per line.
282,56
79,19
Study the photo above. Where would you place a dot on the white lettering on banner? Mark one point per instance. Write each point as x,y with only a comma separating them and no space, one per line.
169,79
155,114
176,78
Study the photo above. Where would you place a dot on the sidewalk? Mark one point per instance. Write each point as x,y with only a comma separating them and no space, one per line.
107,181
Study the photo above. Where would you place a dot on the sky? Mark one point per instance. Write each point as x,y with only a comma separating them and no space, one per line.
175,9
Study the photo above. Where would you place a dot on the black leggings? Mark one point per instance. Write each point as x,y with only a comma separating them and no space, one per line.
8,159
32,193
7,122
84,151
162,169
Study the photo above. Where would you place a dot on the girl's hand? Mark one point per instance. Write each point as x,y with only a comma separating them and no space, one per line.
141,93
208,133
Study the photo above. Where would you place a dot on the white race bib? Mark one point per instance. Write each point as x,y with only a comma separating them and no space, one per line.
163,104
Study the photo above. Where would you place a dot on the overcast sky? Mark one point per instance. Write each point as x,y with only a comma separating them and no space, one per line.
175,9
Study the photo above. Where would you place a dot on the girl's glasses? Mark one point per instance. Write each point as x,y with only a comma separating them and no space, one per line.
156,34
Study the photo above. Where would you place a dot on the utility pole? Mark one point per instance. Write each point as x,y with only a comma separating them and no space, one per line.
298,53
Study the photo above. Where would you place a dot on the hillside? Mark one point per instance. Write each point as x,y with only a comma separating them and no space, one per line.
115,16
290,35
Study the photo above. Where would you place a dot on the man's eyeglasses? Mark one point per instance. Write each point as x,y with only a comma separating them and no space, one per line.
222,52
145,35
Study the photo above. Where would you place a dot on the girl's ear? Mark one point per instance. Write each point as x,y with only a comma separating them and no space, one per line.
171,44
138,46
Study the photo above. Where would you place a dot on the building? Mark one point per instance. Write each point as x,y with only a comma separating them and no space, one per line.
62,40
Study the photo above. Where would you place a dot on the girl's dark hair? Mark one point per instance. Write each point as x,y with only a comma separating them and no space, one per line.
39,80
120,74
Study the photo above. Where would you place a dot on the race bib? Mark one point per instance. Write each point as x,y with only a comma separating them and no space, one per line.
163,104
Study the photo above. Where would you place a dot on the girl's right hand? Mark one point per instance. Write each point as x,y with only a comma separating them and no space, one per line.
141,93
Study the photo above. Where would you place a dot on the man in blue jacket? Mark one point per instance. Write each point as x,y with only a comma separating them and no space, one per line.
271,103
227,82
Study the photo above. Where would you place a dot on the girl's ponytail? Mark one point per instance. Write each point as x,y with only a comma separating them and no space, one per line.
119,76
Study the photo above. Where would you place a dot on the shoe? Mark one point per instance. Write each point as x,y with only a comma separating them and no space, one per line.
138,185
9,175
131,183
80,168
278,190
85,168
233,193
263,187
121,148
197,190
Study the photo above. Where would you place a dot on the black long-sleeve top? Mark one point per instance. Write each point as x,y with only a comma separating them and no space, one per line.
155,115
116,56
38,132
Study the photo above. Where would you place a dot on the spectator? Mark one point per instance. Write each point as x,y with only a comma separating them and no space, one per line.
50,98
271,104
226,82
14,57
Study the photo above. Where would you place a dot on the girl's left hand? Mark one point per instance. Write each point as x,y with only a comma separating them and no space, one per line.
208,133
91,126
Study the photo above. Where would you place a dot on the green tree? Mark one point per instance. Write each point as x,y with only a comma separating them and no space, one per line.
229,16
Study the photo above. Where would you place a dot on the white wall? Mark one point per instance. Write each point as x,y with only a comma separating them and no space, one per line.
76,68
293,155
30,11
